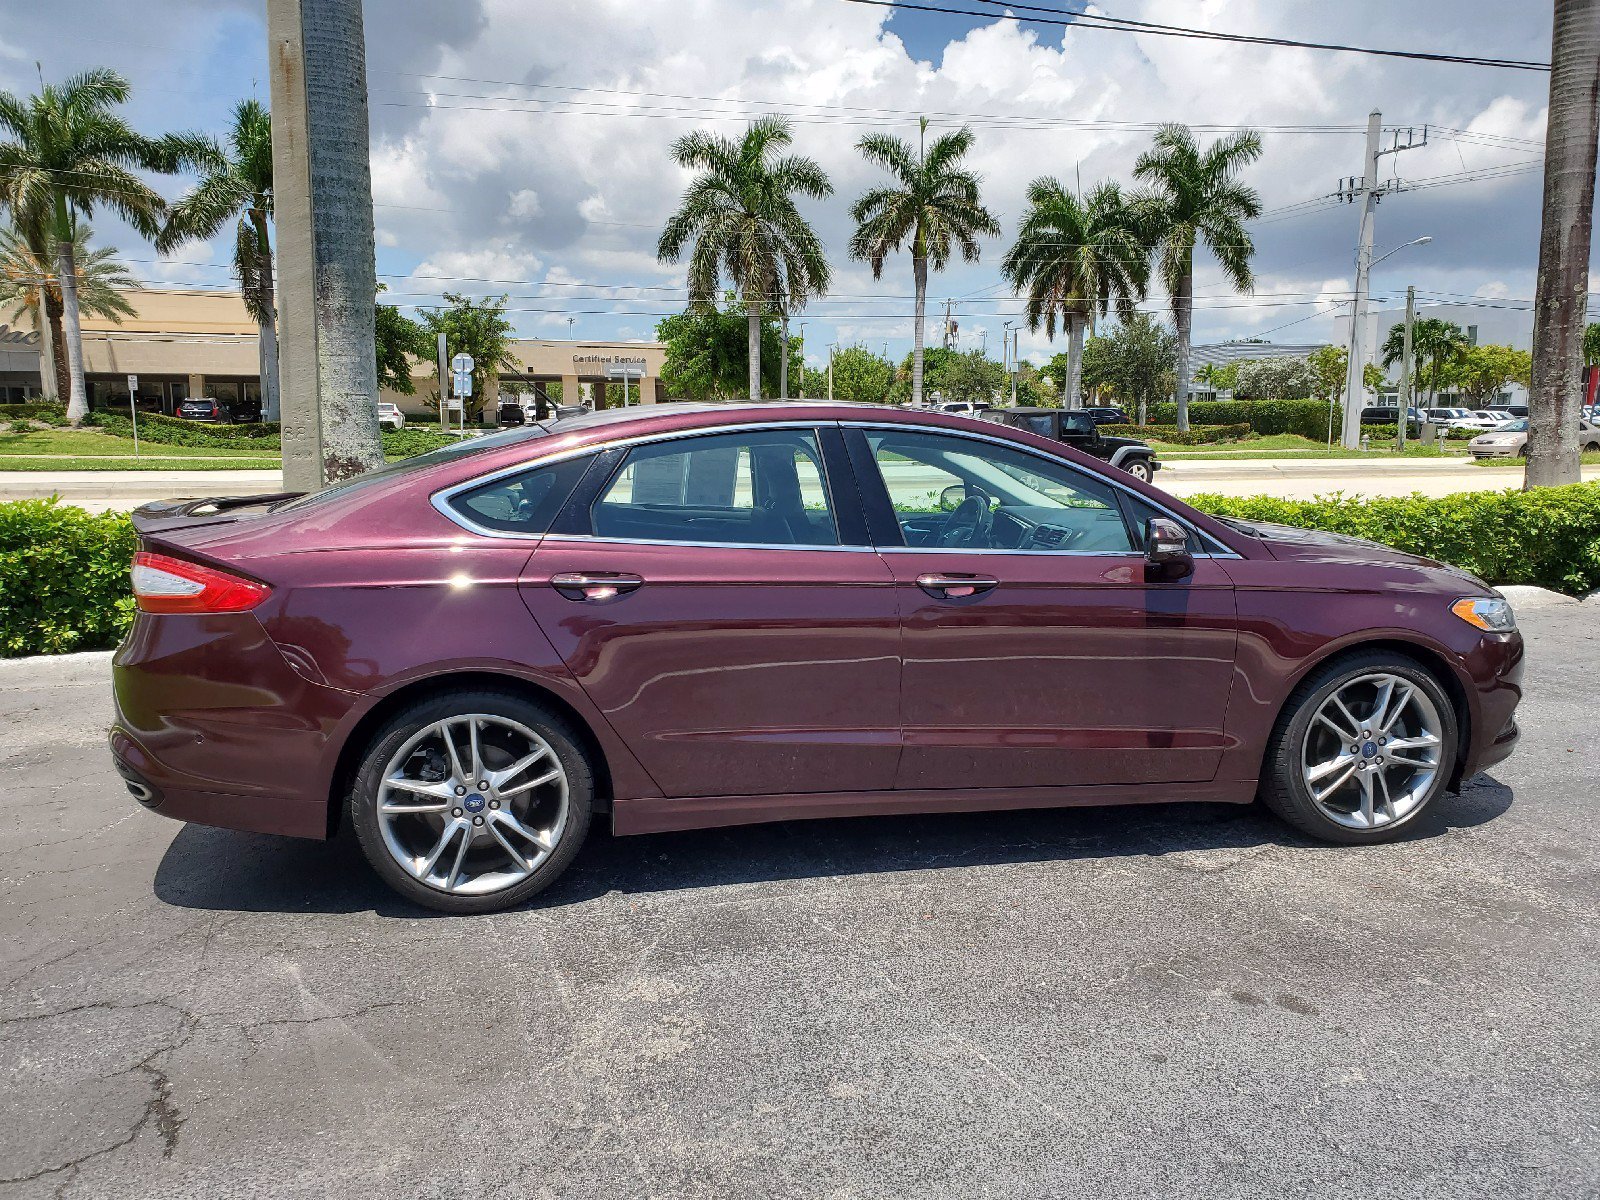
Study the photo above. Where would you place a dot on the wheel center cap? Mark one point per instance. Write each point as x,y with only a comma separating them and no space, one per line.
1369,750
474,803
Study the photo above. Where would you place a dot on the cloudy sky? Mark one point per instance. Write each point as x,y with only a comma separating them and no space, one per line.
521,146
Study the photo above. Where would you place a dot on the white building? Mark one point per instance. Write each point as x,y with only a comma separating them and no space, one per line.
1510,324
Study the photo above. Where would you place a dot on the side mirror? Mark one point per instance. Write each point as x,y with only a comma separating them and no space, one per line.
950,499
1166,548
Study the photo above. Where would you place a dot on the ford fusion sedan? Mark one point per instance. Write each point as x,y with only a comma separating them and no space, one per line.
681,616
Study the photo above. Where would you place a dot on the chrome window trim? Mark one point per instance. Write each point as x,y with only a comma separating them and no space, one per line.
973,435
788,546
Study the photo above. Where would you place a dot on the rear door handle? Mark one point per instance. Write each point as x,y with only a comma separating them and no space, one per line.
595,586
955,587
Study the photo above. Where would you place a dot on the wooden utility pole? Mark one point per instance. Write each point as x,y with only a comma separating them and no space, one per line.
1561,294
322,196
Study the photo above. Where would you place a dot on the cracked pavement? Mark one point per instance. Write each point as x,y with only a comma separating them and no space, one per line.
1178,1000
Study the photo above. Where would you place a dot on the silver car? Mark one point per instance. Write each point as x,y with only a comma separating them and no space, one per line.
1511,440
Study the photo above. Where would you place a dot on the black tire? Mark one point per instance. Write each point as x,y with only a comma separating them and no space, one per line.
1139,468
507,704
1284,790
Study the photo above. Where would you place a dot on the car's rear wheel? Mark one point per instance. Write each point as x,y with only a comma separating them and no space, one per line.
1361,750
472,801
1139,468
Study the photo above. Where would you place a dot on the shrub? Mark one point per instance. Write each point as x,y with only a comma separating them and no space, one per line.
63,578
35,410
404,443
1198,435
174,431
1308,418
1549,537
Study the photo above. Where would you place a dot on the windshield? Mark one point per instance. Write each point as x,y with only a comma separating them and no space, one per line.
1520,426
462,449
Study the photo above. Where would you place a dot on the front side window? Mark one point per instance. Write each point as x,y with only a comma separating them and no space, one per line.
955,492
757,488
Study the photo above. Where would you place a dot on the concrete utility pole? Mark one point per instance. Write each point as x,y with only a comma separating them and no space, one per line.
1405,365
783,360
1369,191
1016,362
322,200
1561,293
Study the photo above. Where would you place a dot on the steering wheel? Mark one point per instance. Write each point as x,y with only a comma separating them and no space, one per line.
970,523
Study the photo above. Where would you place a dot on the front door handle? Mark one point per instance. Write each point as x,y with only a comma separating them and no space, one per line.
595,586
955,587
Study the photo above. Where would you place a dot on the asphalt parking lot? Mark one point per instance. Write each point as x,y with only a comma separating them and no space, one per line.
1142,1002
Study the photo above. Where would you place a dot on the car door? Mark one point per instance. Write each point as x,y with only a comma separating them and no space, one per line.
717,598
1039,649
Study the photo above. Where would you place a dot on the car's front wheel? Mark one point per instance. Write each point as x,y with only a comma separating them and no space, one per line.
1139,468
472,801
1362,748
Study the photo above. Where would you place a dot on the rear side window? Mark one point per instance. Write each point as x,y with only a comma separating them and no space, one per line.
760,488
525,503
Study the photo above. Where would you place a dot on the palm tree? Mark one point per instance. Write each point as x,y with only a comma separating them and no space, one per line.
237,183
69,152
1077,257
1195,196
29,284
932,203
740,213
1434,343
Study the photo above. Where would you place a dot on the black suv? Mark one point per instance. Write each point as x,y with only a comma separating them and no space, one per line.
1078,429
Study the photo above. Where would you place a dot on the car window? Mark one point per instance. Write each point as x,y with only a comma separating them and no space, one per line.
525,503
763,487
961,493
1077,422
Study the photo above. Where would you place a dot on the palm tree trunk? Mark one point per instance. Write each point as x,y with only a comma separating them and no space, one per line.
77,390
754,318
783,363
1560,298
1075,362
54,355
267,340
1183,317
919,269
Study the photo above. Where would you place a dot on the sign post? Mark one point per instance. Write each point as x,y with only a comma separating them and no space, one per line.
461,367
133,410
626,371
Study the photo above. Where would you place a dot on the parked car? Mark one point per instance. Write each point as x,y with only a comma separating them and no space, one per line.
1506,412
1076,428
205,408
1461,418
948,614
390,416
1389,414
964,407
1107,415
1511,440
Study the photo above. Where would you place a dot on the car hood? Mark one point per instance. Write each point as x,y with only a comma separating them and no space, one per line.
1292,542
1116,443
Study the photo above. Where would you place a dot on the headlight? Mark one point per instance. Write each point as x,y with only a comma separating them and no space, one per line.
1490,613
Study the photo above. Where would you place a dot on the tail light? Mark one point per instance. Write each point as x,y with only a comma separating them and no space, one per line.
170,585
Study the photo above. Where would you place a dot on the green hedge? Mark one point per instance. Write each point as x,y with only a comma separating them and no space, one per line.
63,578
175,431
1308,418
34,410
1198,435
404,443
1549,537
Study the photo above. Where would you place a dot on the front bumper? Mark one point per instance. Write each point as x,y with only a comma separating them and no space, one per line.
1494,451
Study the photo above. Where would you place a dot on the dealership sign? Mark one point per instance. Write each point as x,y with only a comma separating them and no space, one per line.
17,337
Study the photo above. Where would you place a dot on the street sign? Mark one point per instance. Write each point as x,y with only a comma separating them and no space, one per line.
626,370
133,383
462,381
133,410
462,363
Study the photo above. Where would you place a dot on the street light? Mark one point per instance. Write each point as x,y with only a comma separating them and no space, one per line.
1421,241
803,325
1355,384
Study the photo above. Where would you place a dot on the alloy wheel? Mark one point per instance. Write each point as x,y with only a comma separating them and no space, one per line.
1372,751
473,804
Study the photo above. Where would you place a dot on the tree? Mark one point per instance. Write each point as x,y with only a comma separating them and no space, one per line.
1076,257
1561,296
933,202
1195,196
70,152
970,378
29,283
1219,378
1329,366
1435,346
398,339
236,182
861,376
478,328
1591,344
708,349
1035,387
740,213
1274,379
1480,373
1134,361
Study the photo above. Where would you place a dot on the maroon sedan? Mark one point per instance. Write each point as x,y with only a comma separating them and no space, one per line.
695,615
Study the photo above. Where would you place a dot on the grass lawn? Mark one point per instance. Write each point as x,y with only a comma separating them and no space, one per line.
1291,446
1591,458
90,443
145,463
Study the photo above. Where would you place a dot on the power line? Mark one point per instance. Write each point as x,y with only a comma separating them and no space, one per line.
1005,11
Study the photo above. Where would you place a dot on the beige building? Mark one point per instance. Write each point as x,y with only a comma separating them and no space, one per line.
182,343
